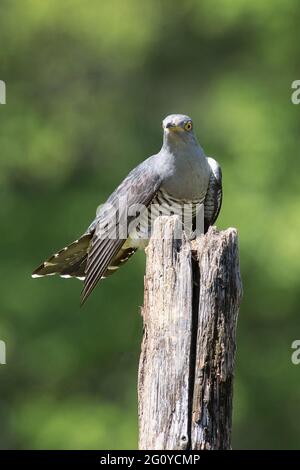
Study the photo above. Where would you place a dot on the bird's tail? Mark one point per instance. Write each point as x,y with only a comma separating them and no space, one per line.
68,262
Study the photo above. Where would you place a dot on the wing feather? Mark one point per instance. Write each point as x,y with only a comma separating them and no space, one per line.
214,195
139,187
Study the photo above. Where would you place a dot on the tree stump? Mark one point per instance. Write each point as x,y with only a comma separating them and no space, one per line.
192,295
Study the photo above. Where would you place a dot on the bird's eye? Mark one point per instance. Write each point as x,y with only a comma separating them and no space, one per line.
188,126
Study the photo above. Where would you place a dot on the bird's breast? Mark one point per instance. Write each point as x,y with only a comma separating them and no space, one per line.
183,190
163,204
188,179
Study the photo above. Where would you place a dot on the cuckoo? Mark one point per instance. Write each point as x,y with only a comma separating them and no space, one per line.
179,180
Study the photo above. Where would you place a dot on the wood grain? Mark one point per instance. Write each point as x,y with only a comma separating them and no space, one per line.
191,301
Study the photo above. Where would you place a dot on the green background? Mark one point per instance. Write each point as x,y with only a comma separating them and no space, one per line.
88,83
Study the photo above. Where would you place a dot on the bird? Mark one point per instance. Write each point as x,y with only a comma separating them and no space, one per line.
179,175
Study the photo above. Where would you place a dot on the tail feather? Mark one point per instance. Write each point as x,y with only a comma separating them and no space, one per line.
68,262
71,261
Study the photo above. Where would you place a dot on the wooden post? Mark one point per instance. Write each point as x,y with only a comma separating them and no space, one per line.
191,302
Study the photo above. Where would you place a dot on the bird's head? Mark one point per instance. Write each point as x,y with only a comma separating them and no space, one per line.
178,128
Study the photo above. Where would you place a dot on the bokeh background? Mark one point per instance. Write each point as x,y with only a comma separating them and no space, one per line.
88,84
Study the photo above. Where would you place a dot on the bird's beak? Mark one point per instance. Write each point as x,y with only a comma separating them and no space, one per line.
173,127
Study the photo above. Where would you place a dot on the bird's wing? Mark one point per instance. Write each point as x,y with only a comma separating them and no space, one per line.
139,187
213,198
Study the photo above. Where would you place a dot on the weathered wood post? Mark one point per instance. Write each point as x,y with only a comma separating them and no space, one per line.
192,296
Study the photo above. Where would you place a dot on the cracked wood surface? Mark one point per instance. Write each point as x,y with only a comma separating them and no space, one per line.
191,301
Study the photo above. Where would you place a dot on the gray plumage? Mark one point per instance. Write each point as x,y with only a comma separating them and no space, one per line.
178,174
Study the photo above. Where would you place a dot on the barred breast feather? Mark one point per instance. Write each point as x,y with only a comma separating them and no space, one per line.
163,203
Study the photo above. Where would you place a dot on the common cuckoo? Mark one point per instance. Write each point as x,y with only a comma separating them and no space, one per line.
178,176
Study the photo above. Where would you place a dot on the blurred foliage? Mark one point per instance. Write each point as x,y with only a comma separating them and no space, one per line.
88,84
